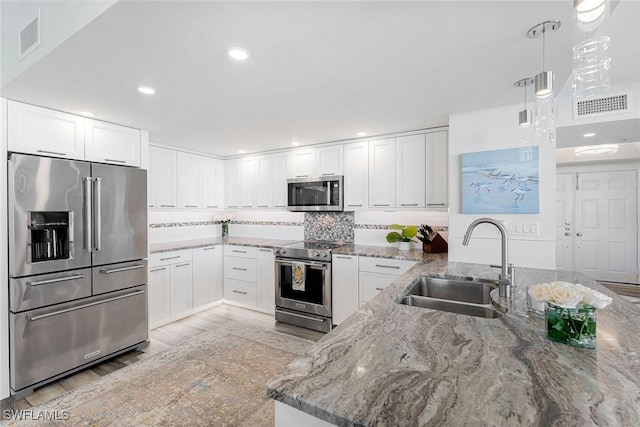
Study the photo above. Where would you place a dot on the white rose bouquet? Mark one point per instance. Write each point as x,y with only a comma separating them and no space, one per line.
223,217
570,312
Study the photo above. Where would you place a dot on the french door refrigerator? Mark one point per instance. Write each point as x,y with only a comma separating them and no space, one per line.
77,269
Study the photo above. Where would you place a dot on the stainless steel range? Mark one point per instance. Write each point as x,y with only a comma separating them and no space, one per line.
303,284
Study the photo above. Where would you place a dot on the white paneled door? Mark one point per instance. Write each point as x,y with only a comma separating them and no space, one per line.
604,230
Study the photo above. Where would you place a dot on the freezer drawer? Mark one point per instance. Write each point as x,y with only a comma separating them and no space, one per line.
33,292
109,278
50,341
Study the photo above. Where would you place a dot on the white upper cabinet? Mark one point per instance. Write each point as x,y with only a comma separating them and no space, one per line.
302,163
279,180
247,182
356,178
329,160
212,173
264,182
410,171
188,180
232,196
45,132
382,173
162,174
437,171
109,143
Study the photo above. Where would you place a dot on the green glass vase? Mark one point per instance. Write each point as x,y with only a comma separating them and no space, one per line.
573,326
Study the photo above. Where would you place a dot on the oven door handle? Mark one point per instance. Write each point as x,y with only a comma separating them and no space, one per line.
300,315
284,261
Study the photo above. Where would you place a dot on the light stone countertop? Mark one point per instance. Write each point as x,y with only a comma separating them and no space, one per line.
389,252
201,243
395,365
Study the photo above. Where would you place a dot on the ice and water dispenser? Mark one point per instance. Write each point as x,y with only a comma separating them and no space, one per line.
50,235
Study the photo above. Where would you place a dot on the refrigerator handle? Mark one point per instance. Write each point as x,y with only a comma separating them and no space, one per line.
87,227
98,214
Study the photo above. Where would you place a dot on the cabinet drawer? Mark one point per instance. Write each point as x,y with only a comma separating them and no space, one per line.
244,293
172,257
385,265
371,284
240,269
119,276
241,251
38,291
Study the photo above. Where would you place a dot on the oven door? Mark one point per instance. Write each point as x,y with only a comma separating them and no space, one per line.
315,298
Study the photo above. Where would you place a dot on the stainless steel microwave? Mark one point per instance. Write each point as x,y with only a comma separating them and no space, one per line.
323,194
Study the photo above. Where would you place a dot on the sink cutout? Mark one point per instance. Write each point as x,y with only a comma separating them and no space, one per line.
454,295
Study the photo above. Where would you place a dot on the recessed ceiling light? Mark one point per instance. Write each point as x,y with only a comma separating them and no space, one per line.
87,114
238,53
295,144
596,149
362,134
589,135
146,90
241,151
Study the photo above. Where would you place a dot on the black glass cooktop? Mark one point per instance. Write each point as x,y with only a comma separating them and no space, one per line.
315,245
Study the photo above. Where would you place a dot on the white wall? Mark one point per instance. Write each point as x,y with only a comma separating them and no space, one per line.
493,129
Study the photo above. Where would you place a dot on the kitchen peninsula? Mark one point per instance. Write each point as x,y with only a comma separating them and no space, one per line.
396,365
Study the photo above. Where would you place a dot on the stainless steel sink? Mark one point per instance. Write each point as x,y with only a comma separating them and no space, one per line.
470,297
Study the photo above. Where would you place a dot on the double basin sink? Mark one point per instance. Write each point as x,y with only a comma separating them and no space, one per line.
455,295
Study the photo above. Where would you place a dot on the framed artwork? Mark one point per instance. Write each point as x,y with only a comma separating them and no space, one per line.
501,182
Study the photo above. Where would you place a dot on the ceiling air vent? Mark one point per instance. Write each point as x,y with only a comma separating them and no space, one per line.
29,37
601,106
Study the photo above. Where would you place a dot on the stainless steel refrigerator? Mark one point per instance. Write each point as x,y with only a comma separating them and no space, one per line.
78,275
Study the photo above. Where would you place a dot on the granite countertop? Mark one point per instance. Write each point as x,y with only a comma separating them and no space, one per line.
396,365
388,252
201,243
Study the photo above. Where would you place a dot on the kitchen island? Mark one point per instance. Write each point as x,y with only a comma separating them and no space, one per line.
396,365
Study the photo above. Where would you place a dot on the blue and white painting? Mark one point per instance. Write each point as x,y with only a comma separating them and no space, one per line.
501,182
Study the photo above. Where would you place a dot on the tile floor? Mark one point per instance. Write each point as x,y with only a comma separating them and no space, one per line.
161,339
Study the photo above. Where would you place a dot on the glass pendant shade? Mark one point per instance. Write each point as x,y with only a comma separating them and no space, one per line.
526,143
545,122
591,60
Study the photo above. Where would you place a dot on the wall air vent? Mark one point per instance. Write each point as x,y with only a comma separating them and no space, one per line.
29,38
612,104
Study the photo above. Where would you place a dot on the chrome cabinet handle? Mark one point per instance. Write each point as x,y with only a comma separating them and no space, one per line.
157,269
381,204
116,161
167,206
263,206
436,204
55,153
388,266
117,270
343,257
240,269
408,204
190,206
239,292
171,257
379,289
209,249
183,265
240,252
266,250
327,174
59,279
55,313
98,214
357,206
212,206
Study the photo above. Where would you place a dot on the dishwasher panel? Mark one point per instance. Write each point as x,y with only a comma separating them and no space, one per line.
49,341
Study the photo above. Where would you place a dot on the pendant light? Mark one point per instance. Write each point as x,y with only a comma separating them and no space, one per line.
544,79
524,123
591,61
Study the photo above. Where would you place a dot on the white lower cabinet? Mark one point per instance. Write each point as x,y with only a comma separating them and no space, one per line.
266,279
207,275
238,291
181,288
159,294
344,287
182,281
378,273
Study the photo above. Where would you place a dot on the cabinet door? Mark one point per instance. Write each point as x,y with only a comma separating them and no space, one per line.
302,163
371,284
159,294
266,279
162,173
382,173
279,179
437,169
329,160
181,288
45,132
264,182
410,171
232,197
188,190
248,182
207,275
344,289
109,143
356,175
212,185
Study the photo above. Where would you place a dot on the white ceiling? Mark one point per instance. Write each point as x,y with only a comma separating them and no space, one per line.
318,71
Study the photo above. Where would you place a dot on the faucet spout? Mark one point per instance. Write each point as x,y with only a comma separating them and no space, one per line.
506,278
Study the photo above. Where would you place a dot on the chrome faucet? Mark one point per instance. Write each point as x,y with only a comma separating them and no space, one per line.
506,277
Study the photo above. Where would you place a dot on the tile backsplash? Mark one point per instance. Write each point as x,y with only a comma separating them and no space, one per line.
329,226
